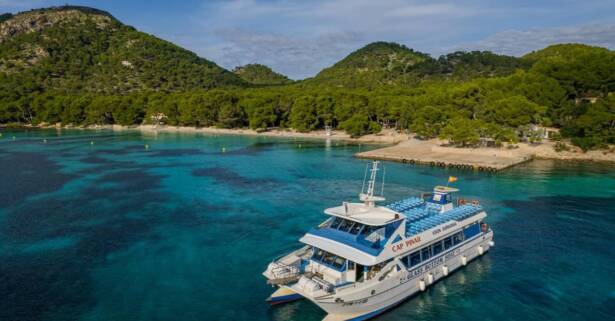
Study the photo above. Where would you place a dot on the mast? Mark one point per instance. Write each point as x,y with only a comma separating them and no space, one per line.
368,197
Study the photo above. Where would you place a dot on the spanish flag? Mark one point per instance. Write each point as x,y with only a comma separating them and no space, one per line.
452,179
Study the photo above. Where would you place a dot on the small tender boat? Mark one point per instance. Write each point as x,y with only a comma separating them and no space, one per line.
365,259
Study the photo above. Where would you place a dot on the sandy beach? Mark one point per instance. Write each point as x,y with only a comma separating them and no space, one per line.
404,148
483,158
384,137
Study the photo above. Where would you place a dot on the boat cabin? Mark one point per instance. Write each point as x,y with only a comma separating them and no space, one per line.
441,199
346,245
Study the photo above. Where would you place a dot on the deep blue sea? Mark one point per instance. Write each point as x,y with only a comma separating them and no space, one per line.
94,226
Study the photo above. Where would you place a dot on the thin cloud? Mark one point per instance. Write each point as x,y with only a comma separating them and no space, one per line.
300,38
298,57
517,42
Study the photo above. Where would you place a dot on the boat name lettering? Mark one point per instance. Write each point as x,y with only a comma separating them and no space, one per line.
429,266
444,228
361,301
408,243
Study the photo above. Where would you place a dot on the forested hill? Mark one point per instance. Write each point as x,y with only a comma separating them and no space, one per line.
377,64
79,49
584,71
390,64
80,66
258,74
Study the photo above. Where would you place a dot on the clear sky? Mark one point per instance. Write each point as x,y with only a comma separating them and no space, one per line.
300,37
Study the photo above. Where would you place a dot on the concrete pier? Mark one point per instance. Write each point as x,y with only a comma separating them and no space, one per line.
430,153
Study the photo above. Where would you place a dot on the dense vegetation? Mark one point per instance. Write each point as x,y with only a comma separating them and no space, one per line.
85,52
76,73
389,64
258,74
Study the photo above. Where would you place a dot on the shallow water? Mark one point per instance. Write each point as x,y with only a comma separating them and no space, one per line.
94,226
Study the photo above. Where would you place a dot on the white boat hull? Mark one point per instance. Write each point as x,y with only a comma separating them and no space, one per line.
370,300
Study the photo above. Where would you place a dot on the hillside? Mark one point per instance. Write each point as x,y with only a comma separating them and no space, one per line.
80,66
585,71
377,64
258,74
463,65
79,49
390,64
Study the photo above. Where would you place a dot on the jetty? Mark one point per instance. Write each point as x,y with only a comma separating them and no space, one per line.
429,152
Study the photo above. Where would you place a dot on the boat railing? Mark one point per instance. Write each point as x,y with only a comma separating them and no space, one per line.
385,274
328,287
283,273
426,195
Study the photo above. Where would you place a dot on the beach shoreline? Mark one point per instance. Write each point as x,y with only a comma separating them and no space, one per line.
432,152
385,137
399,147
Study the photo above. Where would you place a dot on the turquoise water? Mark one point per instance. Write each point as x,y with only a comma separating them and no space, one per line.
94,226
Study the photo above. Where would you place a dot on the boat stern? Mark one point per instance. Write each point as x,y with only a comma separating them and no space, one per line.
283,295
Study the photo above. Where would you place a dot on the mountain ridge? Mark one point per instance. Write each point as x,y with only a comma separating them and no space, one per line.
79,66
85,49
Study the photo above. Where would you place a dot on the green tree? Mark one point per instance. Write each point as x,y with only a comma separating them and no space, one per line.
359,125
461,132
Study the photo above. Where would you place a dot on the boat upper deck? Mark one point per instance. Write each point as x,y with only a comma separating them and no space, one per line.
368,215
422,215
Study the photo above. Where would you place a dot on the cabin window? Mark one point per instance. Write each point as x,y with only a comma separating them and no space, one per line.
318,254
356,228
336,223
471,231
415,258
437,197
366,231
328,258
425,253
332,260
406,260
437,248
458,238
373,234
448,243
350,266
345,225
338,262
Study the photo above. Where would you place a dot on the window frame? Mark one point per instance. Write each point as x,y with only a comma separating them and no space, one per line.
427,250
433,248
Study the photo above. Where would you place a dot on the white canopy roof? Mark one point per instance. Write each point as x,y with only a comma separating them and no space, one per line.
368,215
340,249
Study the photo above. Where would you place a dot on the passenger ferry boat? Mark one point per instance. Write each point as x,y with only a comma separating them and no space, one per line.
365,258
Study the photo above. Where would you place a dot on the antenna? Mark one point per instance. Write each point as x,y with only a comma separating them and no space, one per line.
384,171
364,178
368,197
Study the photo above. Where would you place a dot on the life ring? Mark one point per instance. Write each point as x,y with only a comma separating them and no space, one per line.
462,201
483,227
475,202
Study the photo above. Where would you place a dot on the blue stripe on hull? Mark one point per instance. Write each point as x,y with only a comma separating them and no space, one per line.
284,298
